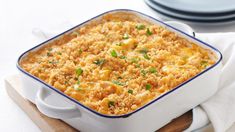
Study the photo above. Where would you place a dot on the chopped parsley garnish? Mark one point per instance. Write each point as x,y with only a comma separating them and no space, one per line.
59,53
48,54
53,62
134,60
118,83
113,53
80,51
122,57
125,36
130,91
146,56
148,86
78,82
143,72
79,71
76,87
143,51
152,70
148,32
99,62
119,44
204,62
137,65
111,103
140,27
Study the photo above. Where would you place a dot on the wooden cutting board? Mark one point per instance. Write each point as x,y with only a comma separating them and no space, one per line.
47,124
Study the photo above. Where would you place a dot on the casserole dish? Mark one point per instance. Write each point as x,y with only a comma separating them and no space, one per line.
156,113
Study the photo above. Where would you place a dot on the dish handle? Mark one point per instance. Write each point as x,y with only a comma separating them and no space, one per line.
182,26
53,111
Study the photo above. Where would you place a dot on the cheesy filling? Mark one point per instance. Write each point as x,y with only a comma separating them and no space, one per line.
117,65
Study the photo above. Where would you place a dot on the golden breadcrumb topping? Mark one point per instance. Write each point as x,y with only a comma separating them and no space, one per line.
117,64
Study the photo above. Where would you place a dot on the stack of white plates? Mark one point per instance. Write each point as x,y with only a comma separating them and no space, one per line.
199,11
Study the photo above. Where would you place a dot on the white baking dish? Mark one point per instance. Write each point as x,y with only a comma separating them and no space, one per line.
150,117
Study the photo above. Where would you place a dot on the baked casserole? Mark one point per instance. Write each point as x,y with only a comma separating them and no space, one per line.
117,64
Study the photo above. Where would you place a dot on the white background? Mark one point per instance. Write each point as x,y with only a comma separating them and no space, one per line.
19,17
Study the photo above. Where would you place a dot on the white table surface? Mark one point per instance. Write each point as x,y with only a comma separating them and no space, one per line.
19,17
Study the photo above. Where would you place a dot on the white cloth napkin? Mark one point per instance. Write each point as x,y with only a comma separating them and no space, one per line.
219,109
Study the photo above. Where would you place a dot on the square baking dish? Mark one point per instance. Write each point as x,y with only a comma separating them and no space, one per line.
149,117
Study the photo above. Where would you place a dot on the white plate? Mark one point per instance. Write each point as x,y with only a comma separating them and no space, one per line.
186,17
199,6
206,25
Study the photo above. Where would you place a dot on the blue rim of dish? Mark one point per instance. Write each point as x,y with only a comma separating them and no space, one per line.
190,20
194,13
142,107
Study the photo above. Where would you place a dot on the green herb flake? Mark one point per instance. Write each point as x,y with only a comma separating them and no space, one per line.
204,62
125,36
80,51
79,71
148,86
152,70
146,56
111,103
113,53
78,82
143,51
119,44
143,72
130,91
59,53
137,65
140,27
53,62
99,62
48,54
50,49
118,83
134,60
148,32
122,57
76,87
